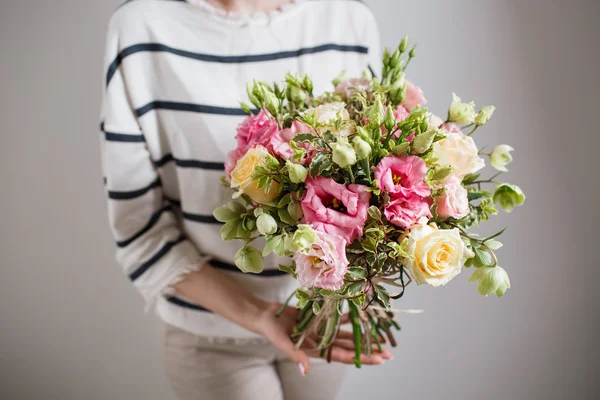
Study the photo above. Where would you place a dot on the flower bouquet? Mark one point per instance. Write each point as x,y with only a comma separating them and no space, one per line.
366,191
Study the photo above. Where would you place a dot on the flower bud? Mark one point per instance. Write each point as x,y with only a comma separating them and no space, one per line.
296,94
484,115
492,280
343,153
362,148
508,196
271,102
412,52
308,83
249,259
303,239
266,224
342,77
403,44
390,119
296,172
501,157
461,113
376,114
294,210
364,134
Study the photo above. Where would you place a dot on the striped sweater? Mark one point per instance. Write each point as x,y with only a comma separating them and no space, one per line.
175,72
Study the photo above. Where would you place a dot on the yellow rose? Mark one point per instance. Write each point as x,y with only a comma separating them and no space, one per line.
241,177
437,254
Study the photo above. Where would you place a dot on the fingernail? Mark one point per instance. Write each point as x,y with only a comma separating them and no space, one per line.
301,369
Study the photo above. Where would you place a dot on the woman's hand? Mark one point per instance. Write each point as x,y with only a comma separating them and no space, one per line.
278,330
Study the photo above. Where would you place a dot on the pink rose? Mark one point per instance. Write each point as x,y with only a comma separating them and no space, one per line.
405,211
454,203
335,208
349,87
414,96
255,129
325,265
403,178
279,143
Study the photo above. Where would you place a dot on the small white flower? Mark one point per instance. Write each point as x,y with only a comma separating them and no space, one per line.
462,113
501,157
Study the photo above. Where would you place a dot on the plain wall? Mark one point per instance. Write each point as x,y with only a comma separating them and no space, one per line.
72,327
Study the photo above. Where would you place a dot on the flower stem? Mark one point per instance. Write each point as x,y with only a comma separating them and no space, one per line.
351,173
355,320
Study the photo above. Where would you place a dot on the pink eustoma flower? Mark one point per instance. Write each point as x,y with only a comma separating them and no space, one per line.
335,208
325,265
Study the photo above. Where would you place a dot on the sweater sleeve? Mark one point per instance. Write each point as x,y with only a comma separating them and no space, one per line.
151,246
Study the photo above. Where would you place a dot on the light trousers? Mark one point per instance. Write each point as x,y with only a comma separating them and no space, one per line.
200,368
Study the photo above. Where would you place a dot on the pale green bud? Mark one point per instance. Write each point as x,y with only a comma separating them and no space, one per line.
362,148
492,280
501,157
484,115
296,172
308,83
376,114
423,142
412,52
303,239
294,210
403,44
266,224
390,119
251,96
296,94
508,196
364,135
249,260
343,153
461,113
271,102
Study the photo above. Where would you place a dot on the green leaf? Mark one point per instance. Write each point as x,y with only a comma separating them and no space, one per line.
288,269
319,164
316,307
305,138
374,213
236,207
470,179
383,297
476,195
302,297
284,200
225,214
401,149
285,217
356,273
356,288
249,260
493,244
234,230
369,245
274,242
482,258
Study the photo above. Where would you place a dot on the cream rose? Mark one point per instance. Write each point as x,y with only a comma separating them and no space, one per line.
460,152
437,254
327,114
241,177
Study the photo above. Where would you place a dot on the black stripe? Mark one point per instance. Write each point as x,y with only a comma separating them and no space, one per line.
122,137
158,47
115,195
191,107
153,220
229,267
185,304
205,219
174,202
164,250
210,165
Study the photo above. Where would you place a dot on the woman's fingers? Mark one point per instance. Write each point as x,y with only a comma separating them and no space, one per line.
284,344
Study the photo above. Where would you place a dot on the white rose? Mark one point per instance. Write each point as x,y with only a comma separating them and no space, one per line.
460,152
461,113
437,254
435,122
327,114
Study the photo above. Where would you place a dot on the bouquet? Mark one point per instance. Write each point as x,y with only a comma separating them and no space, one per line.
365,191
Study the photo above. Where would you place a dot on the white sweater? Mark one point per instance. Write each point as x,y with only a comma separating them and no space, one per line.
175,73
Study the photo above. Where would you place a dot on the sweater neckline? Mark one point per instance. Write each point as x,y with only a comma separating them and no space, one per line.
242,18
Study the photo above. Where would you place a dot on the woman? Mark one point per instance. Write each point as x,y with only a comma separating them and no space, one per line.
175,72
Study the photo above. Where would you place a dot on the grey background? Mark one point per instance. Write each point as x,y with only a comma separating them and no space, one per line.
71,327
